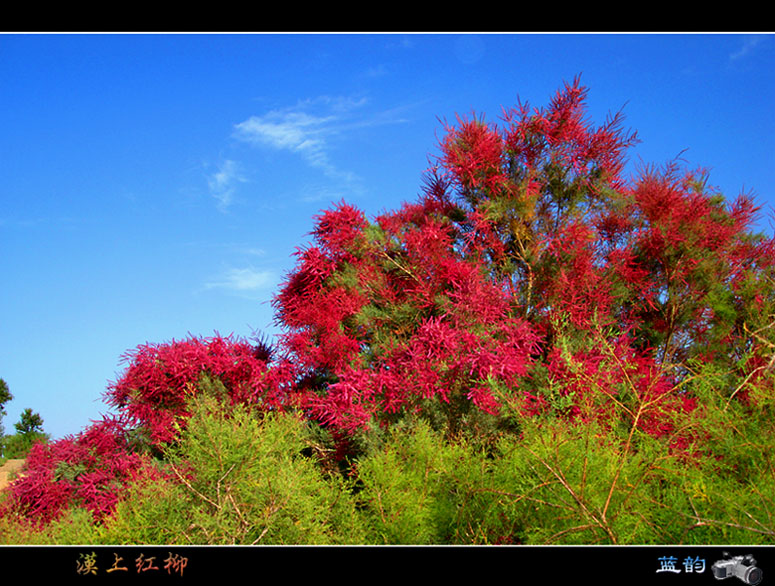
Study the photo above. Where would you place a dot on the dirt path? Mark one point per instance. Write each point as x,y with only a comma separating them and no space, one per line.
9,469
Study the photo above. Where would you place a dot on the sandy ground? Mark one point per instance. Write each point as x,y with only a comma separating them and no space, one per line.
8,470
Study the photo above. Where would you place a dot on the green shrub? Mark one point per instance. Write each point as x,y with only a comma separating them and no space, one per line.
710,480
730,494
238,477
418,487
579,484
17,446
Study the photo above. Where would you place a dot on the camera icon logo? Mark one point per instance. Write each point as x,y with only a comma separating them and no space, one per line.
742,567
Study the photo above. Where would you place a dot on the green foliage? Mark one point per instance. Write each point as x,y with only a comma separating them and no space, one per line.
75,527
237,477
19,445
732,495
5,395
29,430
571,484
399,489
710,481
29,423
417,487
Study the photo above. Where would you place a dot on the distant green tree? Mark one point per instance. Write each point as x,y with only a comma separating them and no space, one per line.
29,429
5,395
29,423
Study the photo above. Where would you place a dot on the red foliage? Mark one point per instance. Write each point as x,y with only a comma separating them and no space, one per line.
474,152
560,136
94,468
609,380
90,470
518,229
159,379
442,361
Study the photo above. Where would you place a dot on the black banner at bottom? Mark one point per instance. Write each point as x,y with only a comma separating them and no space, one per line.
661,565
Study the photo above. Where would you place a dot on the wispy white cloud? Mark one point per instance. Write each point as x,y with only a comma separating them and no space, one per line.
244,281
223,182
750,42
312,129
296,131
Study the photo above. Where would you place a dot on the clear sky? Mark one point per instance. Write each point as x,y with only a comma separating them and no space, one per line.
156,186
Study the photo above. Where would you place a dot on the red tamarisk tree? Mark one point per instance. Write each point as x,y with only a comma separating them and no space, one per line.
531,270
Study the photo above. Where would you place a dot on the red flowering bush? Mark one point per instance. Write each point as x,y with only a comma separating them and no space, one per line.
93,469
88,470
530,269
153,390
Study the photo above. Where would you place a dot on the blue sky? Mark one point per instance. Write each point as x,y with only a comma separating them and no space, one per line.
156,186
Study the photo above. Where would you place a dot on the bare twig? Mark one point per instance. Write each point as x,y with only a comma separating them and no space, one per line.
192,489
